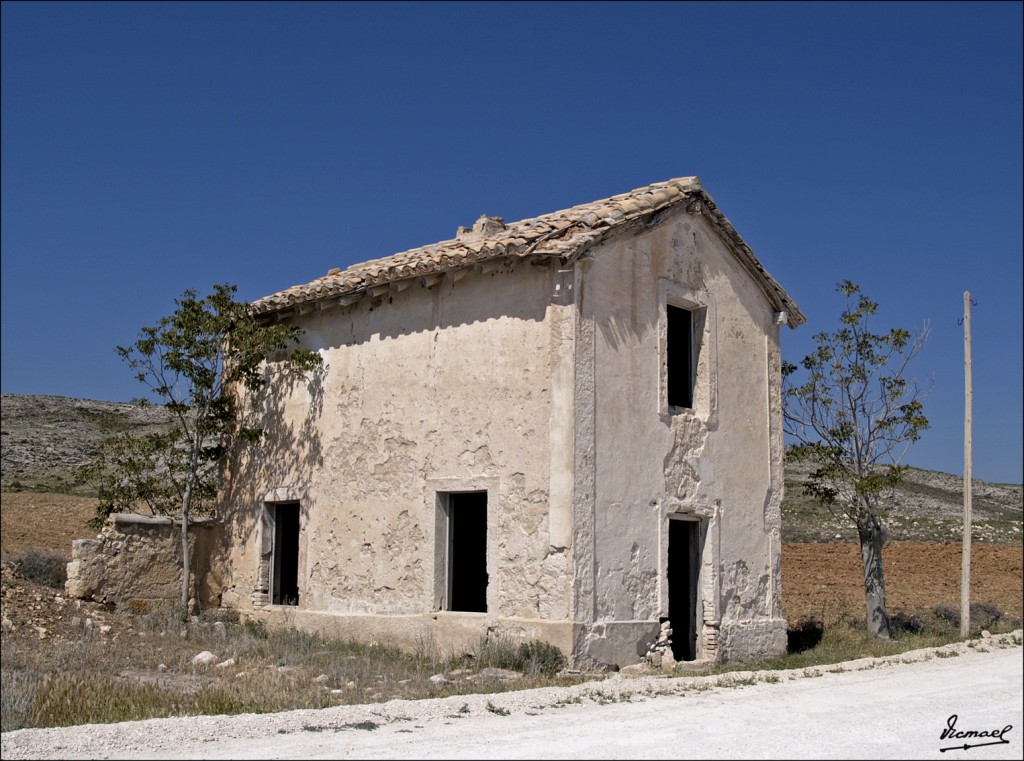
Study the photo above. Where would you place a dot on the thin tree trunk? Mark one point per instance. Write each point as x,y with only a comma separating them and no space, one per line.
186,566
186,502
872,540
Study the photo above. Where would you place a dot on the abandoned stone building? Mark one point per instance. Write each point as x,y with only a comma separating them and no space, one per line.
566,428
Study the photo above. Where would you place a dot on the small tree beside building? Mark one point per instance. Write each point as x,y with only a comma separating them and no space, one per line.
852,411
194,362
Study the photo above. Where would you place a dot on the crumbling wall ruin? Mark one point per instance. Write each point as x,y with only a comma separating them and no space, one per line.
135,561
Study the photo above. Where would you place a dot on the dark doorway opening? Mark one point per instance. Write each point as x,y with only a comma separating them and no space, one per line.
683,571
286,554
467,551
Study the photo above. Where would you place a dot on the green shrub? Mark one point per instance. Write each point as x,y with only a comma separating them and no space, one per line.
541,658
901,622
254,628
534,658
983,616
496,652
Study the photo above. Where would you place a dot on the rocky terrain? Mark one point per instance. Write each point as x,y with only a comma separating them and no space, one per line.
46,439
927,506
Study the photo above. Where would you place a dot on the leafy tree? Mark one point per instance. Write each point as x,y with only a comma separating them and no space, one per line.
853,412
193,361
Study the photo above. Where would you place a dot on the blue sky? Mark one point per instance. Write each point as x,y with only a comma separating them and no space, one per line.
148,148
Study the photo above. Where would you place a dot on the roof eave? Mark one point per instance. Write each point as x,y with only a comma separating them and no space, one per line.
775,293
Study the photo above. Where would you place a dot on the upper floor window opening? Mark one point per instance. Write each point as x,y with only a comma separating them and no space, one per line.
682,350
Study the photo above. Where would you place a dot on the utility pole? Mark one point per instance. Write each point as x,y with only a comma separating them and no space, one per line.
965,563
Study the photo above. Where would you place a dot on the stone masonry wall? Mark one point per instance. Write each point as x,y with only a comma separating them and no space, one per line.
136,560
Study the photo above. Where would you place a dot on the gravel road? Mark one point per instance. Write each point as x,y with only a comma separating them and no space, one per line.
895,707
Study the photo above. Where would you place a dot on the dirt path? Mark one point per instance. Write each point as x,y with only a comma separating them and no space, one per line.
894,707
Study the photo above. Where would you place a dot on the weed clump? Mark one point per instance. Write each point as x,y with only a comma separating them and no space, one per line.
534,658
497,709
902,622
47,568
983,616
539,657
803,635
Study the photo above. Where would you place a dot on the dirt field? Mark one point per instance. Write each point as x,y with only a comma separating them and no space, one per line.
824,580
818,580
30,520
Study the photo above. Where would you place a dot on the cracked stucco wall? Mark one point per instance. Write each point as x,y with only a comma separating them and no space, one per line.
719,463
427,390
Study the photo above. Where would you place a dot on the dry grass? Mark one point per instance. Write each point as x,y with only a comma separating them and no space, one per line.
47,568
150,673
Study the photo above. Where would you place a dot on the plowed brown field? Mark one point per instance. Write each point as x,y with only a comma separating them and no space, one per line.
35,520
824,581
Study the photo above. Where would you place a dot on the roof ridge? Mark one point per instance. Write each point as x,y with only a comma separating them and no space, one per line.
509,232
512,240
563,234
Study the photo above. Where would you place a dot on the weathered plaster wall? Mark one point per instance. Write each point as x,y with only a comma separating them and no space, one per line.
712,463
441,389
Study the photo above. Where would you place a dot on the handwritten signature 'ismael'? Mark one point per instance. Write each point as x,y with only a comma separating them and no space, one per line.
952,733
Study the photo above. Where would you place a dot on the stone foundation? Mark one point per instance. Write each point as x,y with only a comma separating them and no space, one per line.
448,631
752,640
615,643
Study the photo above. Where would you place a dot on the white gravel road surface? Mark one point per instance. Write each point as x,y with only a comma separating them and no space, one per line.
895,707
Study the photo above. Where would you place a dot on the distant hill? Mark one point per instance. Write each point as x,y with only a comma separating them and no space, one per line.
928,506
45,439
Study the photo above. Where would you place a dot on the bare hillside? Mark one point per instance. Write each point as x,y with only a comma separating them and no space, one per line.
46,439
928,506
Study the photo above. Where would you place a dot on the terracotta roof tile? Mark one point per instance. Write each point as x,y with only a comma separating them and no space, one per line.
565,234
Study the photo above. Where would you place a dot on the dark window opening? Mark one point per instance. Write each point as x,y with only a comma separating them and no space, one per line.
467,551
681,355
683,571
286,554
